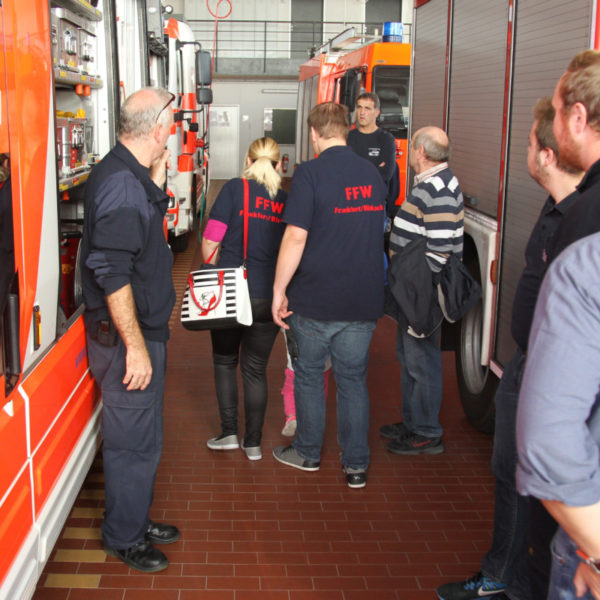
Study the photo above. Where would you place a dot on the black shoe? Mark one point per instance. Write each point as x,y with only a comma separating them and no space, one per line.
416,444
473,588
142,556
159,533
356,479
394,431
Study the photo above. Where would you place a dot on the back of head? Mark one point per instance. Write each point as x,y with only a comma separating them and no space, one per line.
581,83
434,142
372,96
329,120
264,155
543,113
142,111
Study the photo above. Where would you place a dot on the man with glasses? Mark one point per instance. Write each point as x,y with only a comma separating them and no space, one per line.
129,295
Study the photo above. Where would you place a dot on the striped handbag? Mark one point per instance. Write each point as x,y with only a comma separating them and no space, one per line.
219,298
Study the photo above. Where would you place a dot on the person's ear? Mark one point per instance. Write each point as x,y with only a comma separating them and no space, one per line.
578,118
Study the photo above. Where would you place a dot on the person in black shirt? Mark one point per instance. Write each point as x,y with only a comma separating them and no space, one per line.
505,566
248,346
129,295
370,141
577,130
328,291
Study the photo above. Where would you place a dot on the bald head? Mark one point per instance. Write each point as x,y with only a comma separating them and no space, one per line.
435,143
142,111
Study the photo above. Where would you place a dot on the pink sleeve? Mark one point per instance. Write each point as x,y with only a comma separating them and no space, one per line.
215,230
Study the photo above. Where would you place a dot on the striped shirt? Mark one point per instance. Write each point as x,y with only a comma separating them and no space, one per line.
434,209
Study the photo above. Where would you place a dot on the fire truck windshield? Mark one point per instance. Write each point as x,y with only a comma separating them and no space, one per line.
391,84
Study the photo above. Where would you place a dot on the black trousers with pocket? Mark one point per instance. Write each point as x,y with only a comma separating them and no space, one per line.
132,431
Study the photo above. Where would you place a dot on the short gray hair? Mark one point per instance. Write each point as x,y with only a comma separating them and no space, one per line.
138,118
434,150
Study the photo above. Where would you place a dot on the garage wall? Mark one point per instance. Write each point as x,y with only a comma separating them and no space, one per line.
253,96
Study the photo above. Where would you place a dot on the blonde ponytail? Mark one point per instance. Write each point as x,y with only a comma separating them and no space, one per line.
264,155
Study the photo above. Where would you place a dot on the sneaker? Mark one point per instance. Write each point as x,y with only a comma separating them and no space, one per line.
252,452
289,429
355,478
223,442
416,444
288,456
395,431
478,586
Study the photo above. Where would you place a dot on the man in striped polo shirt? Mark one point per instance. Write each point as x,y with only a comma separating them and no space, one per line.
434,210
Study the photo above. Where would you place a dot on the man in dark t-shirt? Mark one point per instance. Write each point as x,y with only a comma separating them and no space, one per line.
371,142
329,290
376,145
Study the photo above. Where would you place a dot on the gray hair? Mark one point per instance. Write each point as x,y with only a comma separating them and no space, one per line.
435,150
139,116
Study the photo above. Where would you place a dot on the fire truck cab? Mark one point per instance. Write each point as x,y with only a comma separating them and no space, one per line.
347,66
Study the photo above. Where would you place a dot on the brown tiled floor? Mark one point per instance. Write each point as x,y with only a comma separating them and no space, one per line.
260,530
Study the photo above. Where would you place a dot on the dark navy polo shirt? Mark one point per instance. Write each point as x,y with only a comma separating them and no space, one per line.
124,243
265,230
536,262
339,198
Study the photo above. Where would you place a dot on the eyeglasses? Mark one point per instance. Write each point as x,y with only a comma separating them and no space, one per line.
165,106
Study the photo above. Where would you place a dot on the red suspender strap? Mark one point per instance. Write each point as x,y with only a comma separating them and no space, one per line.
246,209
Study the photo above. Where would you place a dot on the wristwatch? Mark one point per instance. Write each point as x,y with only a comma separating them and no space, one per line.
594,563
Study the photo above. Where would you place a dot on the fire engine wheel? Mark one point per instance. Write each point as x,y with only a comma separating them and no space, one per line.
477,384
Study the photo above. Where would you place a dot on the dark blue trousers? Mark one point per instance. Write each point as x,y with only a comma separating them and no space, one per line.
132,430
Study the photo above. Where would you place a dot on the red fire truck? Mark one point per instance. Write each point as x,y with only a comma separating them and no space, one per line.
478,69
60,94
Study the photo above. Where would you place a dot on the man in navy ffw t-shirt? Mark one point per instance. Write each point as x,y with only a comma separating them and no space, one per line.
329,289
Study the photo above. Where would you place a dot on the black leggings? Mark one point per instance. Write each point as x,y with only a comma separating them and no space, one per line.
255,343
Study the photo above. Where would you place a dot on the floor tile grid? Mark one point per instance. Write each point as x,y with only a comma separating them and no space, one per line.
260,527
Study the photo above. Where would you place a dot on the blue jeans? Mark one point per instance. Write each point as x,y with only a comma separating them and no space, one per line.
421,377
564,565
506,561
348,344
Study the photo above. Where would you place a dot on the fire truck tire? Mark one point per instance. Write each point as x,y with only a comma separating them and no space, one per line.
477,384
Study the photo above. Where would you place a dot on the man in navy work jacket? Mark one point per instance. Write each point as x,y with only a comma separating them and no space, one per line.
433,210
506,566
329,288
129,295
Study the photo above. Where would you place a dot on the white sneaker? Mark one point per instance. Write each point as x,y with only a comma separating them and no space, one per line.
223,442
252,452
289,429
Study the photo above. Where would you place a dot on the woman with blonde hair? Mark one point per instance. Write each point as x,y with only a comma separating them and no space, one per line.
250,346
